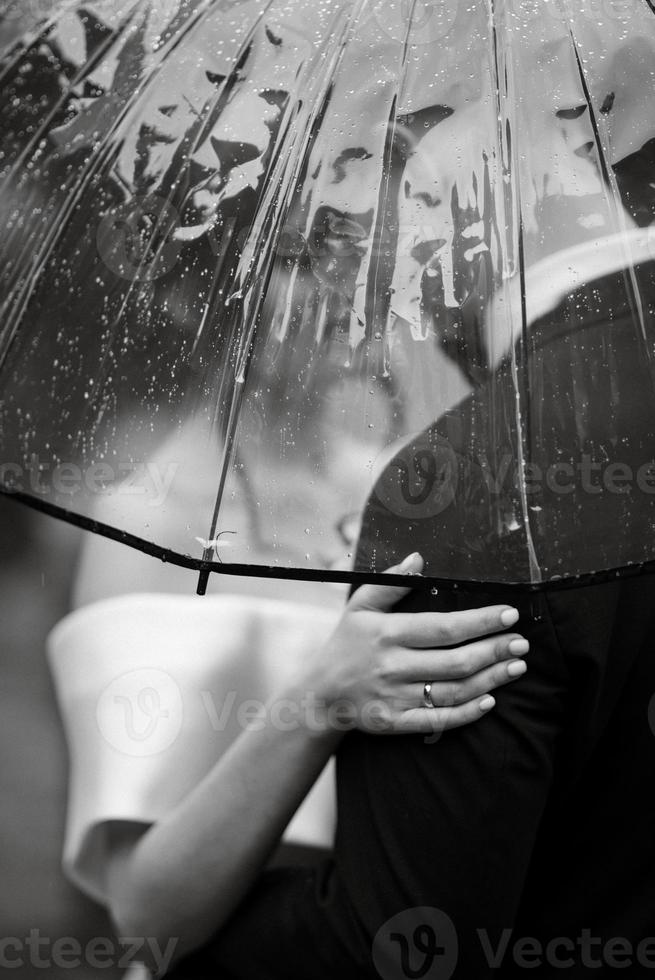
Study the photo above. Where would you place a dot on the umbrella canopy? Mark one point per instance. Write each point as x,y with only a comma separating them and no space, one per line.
271,268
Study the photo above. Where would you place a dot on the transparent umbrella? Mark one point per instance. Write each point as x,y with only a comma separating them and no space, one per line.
281,277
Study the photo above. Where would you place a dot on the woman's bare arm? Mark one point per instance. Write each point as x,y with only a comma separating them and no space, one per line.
184,876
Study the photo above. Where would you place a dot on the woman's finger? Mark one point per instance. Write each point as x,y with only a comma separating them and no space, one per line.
382,598
451,693
455,703
433,721
420,630
452,664
447,694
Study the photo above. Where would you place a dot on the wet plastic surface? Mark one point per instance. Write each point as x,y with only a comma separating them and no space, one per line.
262,262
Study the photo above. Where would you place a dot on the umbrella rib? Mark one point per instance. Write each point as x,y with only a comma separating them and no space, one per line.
385,185
36,139
609,177
508,156
13,314
23,45
274,203
84,71
195,138
58,225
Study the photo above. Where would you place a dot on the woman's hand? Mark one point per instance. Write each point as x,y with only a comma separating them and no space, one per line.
373,671
185,875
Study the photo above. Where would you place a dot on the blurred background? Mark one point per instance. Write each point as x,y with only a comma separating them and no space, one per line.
38,556
37,563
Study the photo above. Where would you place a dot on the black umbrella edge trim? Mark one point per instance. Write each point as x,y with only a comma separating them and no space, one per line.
423,583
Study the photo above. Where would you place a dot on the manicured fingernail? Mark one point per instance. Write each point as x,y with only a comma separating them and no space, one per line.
486,704
519,647
509,617
408,562
516,668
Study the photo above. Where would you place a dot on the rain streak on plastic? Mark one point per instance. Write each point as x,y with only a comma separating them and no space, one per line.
281,277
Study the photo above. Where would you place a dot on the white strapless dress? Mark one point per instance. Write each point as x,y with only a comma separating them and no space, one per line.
152,689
